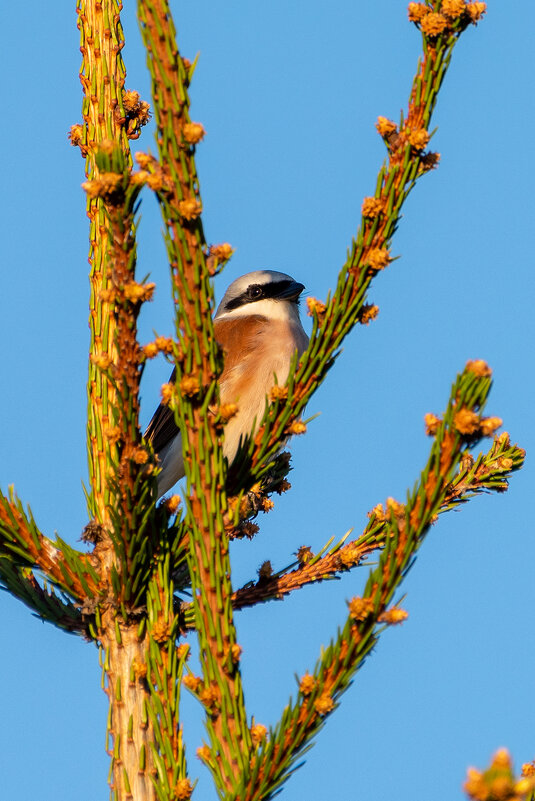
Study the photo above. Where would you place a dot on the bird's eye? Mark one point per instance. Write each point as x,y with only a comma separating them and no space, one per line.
255,292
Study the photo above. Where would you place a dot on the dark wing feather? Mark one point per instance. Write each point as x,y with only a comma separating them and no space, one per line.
162,429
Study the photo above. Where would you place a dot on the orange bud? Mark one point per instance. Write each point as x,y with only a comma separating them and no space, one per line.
479,367
394,616
360,608
432,423
297,427
433,24
378,258
193,132
258,733
190,208
466,421
222,252
476,10
419,138
189,385
324,704
417,11
385,126
278,393
307,684
372,207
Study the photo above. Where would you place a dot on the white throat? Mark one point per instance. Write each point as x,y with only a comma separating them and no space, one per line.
283,310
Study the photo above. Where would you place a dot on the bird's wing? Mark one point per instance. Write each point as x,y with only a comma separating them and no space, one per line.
238,338
162,429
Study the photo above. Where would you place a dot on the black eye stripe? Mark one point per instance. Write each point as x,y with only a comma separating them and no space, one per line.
274,290
271,290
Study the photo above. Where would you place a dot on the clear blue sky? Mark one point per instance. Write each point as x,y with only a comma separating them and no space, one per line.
289,94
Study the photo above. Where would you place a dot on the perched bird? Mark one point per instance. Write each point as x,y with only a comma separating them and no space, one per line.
257,324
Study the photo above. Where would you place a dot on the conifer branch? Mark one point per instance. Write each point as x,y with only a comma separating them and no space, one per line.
111,116
128,528
43,601
126,548
488,472
407,161
194,394
499,780
24,546
165,666
406,524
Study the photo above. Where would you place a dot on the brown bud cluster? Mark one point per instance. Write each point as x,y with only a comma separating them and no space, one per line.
183,790
258,733
393,616
315,306
297,427
385,127
222,252
476,11
368,313
160,345
278,393
466,421
167,392
203,753
479,367
236,652
433,23
307,684
360,608
192,682
137,113
324,704
161,631
190,208
183,651
265,571
498,783
378,258
349,556
108,186
453,8
432,423
76,137
304,554
373,206
189,385
227,411
429,161
489,425
193,132
209,696
417,11
418,138
138,293
171,504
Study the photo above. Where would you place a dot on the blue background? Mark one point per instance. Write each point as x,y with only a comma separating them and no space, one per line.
289,94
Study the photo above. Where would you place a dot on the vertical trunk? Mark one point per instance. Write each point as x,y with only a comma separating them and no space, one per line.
128,722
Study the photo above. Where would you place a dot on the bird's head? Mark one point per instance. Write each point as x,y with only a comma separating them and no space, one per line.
266,292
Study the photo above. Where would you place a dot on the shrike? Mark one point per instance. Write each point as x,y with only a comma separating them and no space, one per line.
257,324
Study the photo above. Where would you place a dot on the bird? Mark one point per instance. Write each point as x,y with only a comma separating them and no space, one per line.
257,324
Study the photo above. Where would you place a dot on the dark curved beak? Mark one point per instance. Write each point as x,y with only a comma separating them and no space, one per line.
291,292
